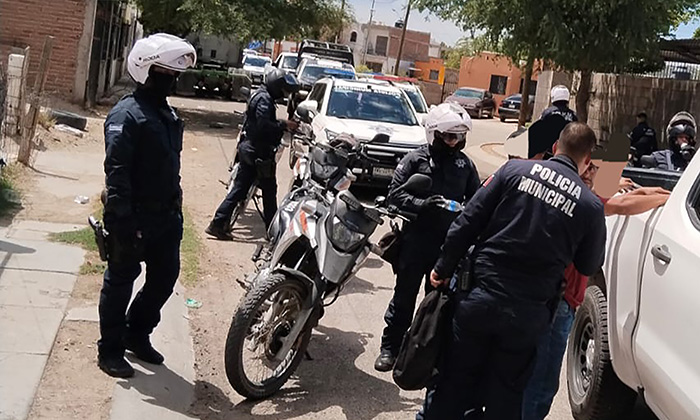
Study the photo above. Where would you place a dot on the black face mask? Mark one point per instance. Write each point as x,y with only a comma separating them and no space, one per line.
439,147
161,85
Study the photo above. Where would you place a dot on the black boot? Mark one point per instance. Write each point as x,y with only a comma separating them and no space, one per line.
115,366
142,349
218,231
385,362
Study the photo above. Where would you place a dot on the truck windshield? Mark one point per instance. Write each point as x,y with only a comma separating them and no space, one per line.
290,62
311,74
256,61
417,101
359,103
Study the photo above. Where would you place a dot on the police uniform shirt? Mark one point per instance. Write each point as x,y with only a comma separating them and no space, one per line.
563,110
454,177
143,142
529,221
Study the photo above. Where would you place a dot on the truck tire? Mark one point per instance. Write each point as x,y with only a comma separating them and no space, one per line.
69,119
595,391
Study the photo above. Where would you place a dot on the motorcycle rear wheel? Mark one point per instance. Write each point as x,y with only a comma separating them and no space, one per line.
267,312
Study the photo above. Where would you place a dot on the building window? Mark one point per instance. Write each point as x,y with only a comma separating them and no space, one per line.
381,46
353,36
498,85
212,54
375,67
199,52
434,74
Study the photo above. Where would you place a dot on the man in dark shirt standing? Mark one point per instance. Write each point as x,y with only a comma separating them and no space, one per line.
643,138
528,222
560,104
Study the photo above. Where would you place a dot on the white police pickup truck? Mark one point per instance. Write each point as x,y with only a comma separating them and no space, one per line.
379,115
637,333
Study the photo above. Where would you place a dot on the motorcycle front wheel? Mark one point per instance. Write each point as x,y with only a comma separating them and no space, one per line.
262,321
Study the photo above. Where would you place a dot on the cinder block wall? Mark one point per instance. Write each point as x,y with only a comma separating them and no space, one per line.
617,99
28,22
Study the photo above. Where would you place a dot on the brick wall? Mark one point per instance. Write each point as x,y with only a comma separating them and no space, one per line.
28,22
416,45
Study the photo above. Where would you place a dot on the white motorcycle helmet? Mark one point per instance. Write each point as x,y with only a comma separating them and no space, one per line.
560,93
164,50
447,118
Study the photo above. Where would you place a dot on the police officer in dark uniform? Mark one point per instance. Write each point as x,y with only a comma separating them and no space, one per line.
143,203
643,138
681,132
454,177
560,104
528,221
262,134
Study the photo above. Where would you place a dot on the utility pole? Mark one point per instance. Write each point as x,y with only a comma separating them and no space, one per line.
403,38
369,27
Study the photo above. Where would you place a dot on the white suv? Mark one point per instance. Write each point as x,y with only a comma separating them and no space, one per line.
377,113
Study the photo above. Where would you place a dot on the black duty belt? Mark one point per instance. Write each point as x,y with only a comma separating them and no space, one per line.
157,206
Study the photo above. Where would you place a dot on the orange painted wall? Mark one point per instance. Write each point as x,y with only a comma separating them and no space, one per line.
426,66
477,71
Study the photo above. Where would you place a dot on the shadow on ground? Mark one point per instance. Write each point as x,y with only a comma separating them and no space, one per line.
330,380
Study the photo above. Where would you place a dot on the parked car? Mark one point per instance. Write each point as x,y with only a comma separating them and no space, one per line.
510,107
255,66
287,62
366,108
635,333
475,101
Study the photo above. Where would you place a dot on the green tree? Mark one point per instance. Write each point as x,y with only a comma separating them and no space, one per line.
603,36
245,19
585,35
513,26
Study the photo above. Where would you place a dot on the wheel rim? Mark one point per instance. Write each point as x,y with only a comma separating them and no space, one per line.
272,322
584,360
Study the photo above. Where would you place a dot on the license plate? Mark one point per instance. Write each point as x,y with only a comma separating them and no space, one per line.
511,106
383,172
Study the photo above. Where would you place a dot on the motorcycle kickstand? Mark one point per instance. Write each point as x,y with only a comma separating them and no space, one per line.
307,355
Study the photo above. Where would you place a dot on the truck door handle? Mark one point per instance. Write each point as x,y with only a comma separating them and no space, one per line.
661,252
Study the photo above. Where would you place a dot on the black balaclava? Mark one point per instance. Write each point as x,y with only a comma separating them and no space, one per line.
439,147
160,85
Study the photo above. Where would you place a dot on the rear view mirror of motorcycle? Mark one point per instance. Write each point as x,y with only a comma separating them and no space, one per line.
417,183
306,111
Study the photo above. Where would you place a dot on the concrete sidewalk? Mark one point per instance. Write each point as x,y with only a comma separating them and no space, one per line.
167,391
36,280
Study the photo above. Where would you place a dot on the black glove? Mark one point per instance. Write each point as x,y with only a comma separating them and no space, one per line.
433,201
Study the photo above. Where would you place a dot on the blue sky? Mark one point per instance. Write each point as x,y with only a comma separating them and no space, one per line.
389,11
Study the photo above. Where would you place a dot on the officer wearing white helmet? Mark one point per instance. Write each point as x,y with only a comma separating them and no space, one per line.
560,104
681,132
143,205
454,177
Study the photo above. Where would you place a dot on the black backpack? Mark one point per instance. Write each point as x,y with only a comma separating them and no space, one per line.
418,360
